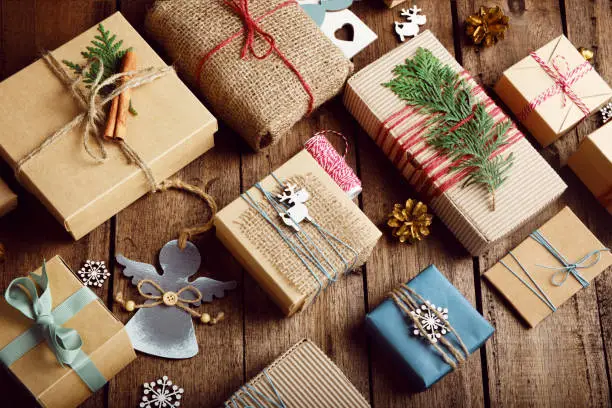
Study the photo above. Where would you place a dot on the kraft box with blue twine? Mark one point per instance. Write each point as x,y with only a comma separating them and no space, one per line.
58,338
450,328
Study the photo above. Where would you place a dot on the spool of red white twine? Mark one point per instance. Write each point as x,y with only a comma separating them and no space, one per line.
335,165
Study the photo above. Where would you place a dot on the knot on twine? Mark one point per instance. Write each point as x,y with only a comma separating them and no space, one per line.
251,27
408,300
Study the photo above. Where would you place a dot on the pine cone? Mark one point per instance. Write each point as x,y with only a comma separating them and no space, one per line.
487,26
411,222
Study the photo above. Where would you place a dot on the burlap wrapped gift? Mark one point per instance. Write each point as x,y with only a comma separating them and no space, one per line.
259,98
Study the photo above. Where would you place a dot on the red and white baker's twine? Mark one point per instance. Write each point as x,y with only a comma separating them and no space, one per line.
410,149
252,28
331,161
563,79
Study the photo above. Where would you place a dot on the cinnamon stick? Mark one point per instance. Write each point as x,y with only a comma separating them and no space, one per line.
129,64
111,119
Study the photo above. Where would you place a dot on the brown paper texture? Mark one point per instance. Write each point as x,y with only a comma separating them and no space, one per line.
531,184
172,129
573,240
268,258
304,377
592,163
526,80
104,340
8,199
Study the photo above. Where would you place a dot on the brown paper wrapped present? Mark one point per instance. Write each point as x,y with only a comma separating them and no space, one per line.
592,163
8,199
104,341
535,281
399,129
294,267
172,129
303,377
552,90
261,92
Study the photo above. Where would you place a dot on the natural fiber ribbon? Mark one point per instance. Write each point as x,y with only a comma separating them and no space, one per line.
563,79
93,116
65,343
169,298
407,300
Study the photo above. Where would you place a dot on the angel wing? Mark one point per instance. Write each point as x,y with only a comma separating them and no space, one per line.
210,287
138,270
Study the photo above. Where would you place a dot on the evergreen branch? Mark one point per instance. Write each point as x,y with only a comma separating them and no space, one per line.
460,128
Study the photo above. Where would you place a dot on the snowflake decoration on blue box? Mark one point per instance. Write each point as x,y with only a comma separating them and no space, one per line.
94,273
434,327
161,394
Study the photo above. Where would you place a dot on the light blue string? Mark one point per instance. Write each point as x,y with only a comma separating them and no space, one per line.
567,268
248,388
541,294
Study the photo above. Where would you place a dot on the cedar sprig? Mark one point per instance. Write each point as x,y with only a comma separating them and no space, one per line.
439,91
108,50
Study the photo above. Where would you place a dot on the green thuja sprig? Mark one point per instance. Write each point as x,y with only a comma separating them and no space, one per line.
105,48
458,127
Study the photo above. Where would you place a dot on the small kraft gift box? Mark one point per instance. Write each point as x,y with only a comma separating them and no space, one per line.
58,339
52,132
427,327
261,65
8,199
552,89
592,163
484,186
549,267
303,377
296,232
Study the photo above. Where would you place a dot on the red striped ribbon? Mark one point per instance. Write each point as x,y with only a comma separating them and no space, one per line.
564,79
409,147
252,29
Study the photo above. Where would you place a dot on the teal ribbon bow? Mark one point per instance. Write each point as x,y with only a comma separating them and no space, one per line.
563,272
64,342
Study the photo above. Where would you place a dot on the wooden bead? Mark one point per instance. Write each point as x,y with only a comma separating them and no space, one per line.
205,318
130,305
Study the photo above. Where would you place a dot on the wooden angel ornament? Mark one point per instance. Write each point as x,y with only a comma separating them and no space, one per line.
163,325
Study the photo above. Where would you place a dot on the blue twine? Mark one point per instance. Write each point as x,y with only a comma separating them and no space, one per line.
568,268
249,390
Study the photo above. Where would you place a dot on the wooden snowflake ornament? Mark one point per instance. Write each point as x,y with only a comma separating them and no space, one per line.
94,273
433,324
161,394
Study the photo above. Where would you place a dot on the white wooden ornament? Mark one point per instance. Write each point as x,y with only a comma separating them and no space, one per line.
434,327
161,394
362,37
412,27
297,212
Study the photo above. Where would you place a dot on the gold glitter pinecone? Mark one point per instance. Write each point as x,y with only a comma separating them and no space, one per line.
410,222
487,26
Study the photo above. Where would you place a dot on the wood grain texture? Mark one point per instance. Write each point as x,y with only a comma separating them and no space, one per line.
565,361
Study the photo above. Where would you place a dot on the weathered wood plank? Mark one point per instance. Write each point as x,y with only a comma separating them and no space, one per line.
560,362
30,233
393,263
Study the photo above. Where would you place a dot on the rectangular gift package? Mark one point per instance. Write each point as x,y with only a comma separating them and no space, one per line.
552,90
104,339
416,356
259,88
535,281
303,377
8,199
171,129
293,268
399,129
592,163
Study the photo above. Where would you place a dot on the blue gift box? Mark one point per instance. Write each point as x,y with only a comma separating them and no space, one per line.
393,330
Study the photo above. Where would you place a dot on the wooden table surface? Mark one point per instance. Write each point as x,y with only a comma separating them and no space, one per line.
565,361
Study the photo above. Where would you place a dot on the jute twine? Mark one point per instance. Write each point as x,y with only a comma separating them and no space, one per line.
261,99
93,117
408,300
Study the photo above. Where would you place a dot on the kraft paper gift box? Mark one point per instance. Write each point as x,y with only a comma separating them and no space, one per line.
274,253
8,199
104,341
537,99
536,282
592,163
399,129
303,377
418,359
172,128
